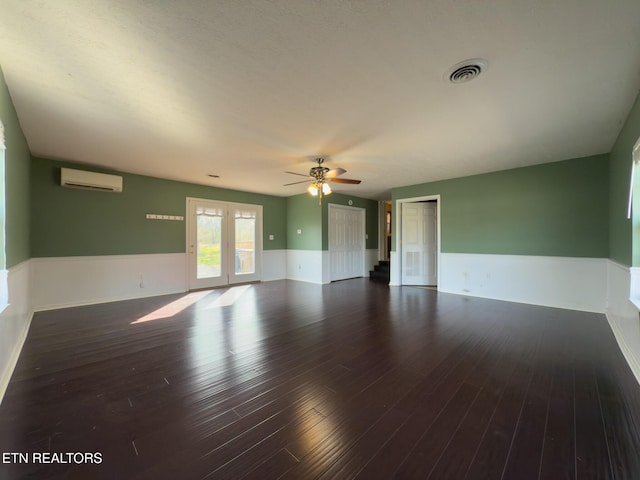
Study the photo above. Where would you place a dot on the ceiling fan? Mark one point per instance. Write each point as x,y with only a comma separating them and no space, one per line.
320,176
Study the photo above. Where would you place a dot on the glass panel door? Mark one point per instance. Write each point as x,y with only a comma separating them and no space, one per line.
209,242
206,232
247,241
224,243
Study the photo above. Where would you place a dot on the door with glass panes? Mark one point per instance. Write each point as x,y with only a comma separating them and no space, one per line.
224,243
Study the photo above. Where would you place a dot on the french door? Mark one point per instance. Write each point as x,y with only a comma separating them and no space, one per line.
224,243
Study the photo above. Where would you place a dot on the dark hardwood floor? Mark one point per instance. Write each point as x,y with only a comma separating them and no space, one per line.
298,381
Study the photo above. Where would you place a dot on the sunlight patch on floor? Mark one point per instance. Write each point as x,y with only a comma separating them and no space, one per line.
229,297
174,307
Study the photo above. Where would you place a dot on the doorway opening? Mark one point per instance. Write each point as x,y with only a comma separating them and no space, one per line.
418,245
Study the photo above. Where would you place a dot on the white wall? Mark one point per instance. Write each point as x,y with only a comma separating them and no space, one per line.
622,313
274,265
67,281
314,266
308,265
562,282
14,321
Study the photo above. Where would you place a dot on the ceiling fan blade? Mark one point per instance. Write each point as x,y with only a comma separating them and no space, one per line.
294,173
345,180
295,183
335,172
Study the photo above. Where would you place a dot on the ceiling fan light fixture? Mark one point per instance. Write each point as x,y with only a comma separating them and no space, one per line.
313,190
320,176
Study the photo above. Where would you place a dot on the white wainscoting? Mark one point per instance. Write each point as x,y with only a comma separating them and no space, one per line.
314,265
69,281
562,282
14,321
274,265
308,266
60,282
622,314
394,269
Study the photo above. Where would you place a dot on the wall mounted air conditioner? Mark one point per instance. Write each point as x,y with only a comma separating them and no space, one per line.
90,180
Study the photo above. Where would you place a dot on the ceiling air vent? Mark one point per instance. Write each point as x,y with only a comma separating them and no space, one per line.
466,71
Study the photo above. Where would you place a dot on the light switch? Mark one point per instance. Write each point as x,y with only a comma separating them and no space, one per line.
299,231
271,237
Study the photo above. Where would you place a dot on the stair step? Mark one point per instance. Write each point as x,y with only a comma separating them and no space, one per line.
381,272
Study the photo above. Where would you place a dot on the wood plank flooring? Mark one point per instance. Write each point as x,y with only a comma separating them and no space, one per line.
352,380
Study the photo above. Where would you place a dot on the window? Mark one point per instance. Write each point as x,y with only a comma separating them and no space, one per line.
632,184
4,295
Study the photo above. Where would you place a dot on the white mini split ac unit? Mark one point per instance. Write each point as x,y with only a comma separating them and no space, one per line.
90,180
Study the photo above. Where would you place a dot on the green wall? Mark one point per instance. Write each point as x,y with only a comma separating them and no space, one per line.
371,217
16,195
70,222
620,228
304,213
554,209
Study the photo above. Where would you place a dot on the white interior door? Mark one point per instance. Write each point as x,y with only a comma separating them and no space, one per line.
347,242
224,243
419,243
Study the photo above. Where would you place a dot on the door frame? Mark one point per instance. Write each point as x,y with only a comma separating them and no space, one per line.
257,277
363,219
396,263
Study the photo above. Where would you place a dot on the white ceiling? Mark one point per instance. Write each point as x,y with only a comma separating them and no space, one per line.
249,89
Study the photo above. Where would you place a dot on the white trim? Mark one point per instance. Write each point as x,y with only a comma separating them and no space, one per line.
10,365
15,321
622,312
396,275
630,355
394,269
635,159
382,231
4,289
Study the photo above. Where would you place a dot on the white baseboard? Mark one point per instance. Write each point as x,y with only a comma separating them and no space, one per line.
15,320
